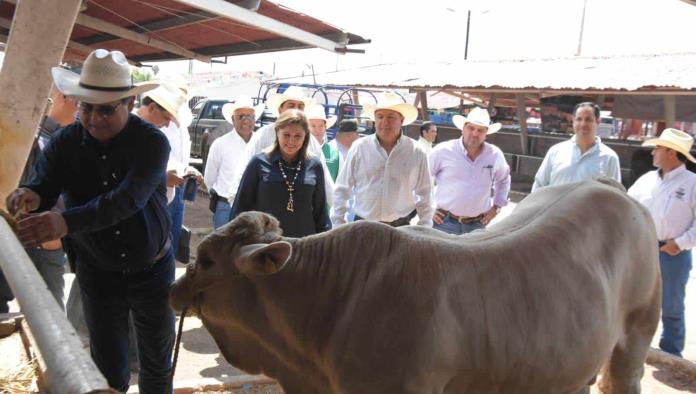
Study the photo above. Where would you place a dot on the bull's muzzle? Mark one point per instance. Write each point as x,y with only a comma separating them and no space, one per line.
181,292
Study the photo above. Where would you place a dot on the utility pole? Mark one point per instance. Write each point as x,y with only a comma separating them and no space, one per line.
582,29
466,47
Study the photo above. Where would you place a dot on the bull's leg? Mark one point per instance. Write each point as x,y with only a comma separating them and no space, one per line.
622,374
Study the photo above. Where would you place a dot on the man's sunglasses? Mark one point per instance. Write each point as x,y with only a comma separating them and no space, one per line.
244,117
101,110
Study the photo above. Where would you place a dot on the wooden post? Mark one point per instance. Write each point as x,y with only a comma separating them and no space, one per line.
522,117
423,95
356,97
670,103
37,41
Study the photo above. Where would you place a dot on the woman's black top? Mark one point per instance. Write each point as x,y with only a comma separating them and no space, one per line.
263,188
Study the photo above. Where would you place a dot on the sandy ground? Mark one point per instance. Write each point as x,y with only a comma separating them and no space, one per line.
200,363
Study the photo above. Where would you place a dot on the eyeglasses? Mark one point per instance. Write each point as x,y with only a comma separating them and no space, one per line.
101,110
244,117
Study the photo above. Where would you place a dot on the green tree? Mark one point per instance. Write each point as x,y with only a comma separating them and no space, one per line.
141,76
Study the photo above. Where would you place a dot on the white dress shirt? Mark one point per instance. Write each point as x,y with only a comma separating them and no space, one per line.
564,163
224,160
265,137
426,145
468,187
386,187
671,201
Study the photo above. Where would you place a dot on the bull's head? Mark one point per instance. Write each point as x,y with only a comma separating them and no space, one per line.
249,245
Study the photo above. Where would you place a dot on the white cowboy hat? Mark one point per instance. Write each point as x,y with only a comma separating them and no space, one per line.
676,140
241,102
172,98
479,117
392,101
316,111
106,77
295,93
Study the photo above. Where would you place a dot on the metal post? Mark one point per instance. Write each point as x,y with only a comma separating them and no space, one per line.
69,369
670,103
522,117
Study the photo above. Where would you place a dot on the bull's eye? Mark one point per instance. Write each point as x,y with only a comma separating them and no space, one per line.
204,262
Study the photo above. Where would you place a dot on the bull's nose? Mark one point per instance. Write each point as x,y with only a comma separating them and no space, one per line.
180,295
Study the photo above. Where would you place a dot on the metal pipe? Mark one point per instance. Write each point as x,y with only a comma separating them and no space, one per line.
69,369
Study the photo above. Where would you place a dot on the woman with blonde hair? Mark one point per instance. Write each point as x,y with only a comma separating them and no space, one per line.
285,181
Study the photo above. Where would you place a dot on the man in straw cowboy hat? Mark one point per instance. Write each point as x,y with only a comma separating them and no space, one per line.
472,178
110,168
167,108
669,193
386,171
292,98
581,157
318,123
224,158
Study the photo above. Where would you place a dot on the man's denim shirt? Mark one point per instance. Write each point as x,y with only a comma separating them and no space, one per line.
115,193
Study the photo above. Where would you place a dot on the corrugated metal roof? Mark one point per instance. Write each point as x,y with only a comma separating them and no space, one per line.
188,28
611,75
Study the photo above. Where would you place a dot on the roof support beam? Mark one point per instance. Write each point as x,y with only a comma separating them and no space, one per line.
670,104
243,15
100,25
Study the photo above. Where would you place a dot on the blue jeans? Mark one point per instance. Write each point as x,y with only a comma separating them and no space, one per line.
675,274
51,266
108,298
176,211
222,214
452,226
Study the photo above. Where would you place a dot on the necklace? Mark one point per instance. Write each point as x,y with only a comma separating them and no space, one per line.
290,185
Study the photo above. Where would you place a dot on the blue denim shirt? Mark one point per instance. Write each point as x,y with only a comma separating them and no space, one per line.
115,193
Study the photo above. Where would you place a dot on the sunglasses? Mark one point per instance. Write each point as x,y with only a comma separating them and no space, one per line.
101,110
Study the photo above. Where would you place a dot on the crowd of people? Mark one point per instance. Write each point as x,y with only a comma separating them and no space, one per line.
109,184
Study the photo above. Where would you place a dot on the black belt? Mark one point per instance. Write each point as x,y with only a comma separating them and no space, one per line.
221,198
404,221
141,268
661,243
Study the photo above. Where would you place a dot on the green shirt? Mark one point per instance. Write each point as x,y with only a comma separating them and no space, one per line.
331,156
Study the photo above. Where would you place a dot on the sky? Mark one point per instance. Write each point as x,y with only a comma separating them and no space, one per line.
435,30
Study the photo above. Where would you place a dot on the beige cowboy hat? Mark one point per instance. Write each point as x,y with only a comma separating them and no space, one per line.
479,117
316,111
392,101
295,93
173,99
241,102
674,139
105,77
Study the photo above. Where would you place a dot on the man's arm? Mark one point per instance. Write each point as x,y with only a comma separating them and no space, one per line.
614,168
501,182
343,189
424,192
131,194
543,175
212,166
687,240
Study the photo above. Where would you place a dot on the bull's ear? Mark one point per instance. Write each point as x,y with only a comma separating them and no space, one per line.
263,259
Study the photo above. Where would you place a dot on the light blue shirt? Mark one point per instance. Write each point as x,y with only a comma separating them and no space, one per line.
564,163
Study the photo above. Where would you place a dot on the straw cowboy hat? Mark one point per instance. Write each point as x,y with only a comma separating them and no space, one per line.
106,77
294,93
676,140
316,111
173,99
479,117
241,102
392,101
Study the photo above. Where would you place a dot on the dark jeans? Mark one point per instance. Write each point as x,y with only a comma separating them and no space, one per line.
107,299
675,274
51,266
176,211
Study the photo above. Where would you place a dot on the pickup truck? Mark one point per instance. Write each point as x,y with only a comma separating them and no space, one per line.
207,125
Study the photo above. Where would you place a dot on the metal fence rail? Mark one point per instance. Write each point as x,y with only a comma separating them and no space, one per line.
69,368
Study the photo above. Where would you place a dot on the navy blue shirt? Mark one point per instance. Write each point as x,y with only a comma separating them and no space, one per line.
262,188
114,193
